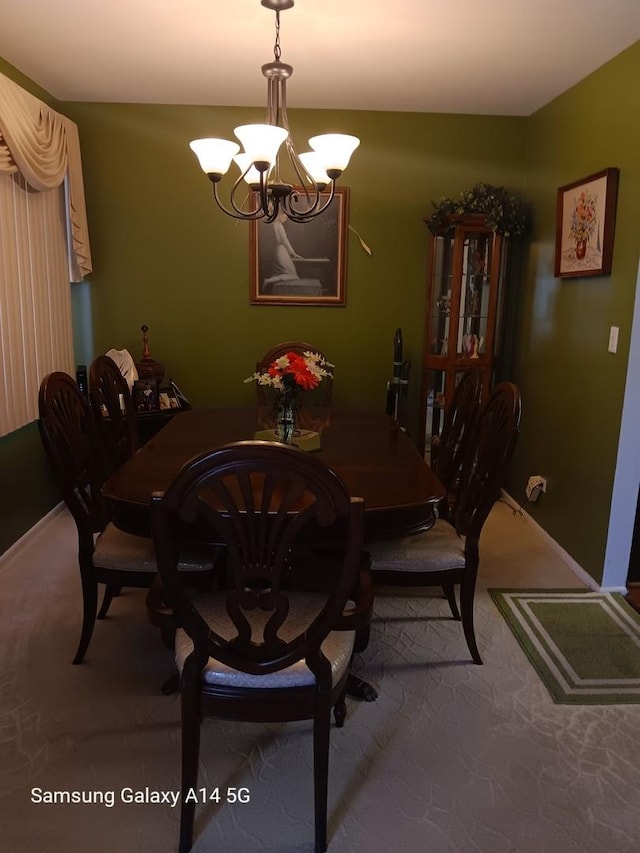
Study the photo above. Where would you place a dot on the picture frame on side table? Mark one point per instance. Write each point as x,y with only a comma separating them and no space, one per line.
145,395
301,263
585,224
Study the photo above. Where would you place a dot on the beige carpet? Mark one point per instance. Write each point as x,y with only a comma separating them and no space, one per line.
452,758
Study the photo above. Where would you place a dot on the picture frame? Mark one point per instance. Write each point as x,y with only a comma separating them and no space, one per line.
301,264
167,399
145,395
585,224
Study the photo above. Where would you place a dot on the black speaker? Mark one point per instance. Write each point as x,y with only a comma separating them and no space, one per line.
81,379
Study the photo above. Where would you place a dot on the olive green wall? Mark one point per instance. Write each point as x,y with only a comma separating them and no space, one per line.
572,387
28,491
164,254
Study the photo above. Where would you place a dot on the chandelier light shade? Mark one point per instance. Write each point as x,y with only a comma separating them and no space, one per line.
272,176
215,155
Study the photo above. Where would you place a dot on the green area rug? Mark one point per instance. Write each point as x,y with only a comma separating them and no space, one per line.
584,645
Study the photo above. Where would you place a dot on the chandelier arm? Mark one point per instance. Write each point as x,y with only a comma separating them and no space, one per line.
305,216
273,214
257,212
277,111
236,213
312,191
298,167
282,118
269,202
272,100
312,202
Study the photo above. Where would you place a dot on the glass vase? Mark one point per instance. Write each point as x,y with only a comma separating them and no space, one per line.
286,417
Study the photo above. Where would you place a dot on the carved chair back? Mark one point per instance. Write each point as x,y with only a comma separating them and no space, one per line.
457,434
71,444
485,469
259,499
114,412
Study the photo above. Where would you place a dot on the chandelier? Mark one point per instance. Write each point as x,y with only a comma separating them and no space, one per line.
260,192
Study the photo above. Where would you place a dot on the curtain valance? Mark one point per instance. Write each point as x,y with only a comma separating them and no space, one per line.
44,147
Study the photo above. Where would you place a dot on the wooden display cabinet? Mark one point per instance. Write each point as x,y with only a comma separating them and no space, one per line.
465,308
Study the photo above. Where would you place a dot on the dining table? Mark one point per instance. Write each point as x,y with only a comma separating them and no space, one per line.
369,451
374,457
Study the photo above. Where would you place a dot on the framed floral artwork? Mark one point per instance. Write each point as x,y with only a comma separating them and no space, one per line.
301,263
585,222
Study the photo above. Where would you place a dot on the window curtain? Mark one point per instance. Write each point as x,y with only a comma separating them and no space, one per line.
44,147
44,245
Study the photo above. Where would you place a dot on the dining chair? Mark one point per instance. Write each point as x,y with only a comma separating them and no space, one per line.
260,651
114,412
325,389
448,554
106,555
449,448
456,437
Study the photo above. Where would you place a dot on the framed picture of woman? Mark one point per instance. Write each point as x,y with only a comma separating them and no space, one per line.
301,264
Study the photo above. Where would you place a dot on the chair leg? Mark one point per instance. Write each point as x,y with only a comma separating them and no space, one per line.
466,606
340,709
171,685
190,756
89,607
321,724
168,637
109,592
450,594
362,639
356,687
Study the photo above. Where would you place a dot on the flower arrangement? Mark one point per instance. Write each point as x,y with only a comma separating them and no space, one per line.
293,371
583,217
503,212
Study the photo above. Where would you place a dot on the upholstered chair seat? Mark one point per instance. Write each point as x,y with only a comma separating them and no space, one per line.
438,549
115,549
303,607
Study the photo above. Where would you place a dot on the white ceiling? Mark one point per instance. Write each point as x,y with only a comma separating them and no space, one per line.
506,57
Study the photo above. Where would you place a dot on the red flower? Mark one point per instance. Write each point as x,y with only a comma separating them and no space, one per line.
298,368
294,370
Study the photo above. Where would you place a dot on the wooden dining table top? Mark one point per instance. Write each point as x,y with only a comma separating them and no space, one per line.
376,460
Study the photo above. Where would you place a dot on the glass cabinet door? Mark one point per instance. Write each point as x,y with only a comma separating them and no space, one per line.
440,312
465,314
475,286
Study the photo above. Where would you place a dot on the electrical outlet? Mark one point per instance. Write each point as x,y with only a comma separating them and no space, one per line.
535,485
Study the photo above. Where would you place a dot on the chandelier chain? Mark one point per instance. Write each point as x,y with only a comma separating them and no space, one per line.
276,47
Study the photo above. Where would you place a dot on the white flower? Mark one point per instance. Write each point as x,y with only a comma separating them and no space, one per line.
289,365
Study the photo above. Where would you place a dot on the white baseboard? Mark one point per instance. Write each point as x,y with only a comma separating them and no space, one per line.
566,558
37,528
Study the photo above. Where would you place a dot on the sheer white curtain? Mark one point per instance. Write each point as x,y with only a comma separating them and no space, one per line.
43,246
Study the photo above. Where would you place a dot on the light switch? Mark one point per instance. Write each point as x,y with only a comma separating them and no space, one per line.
613,339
